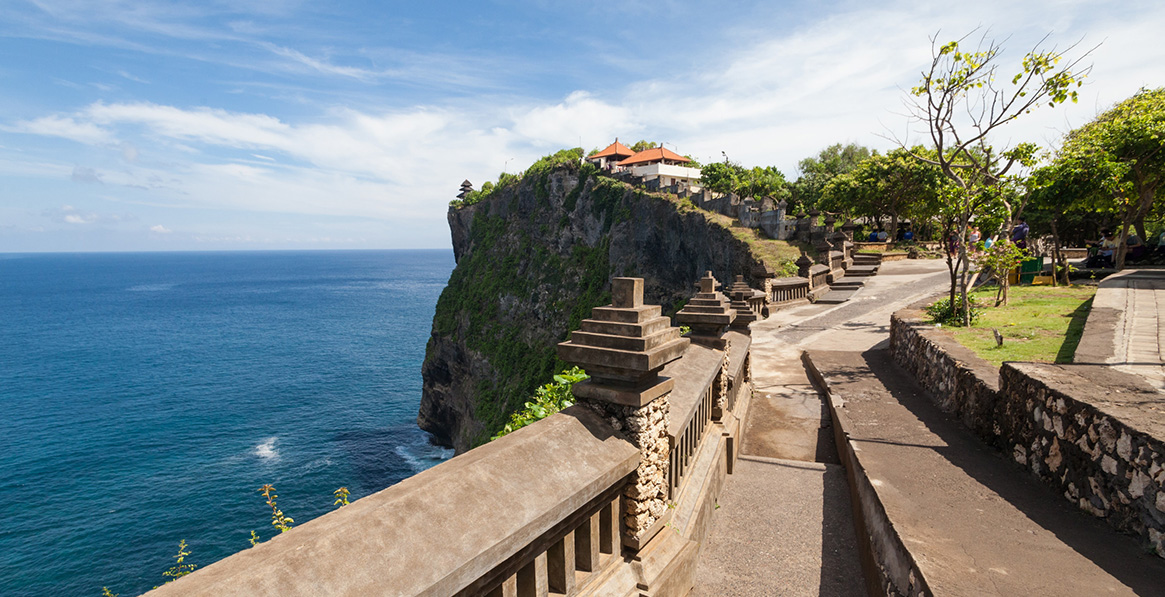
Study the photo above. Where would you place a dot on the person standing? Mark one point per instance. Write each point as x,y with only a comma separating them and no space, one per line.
1019,234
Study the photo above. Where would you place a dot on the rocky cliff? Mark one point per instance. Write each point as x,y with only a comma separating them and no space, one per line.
533,259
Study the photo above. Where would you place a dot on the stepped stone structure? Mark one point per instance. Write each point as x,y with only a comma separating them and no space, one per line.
709,314
740,292
623,347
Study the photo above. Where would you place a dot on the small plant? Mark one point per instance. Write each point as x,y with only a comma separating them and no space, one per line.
105,592
1003,257
341,497
180,568
255,539
547,400
941,312
278,520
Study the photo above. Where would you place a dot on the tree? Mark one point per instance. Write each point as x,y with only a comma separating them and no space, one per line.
895,185
816,172
763,182
729,177
642,145
722,177
961,104
1119,160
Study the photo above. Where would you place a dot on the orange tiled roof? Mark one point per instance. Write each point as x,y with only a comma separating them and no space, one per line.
615,150
656,154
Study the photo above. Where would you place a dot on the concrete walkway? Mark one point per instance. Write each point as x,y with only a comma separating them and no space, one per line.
785,523
1138,344
970,520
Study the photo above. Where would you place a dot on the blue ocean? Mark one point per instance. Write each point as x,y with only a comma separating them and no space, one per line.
145,398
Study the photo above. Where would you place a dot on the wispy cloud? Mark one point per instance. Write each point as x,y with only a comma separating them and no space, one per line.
355,150
62,126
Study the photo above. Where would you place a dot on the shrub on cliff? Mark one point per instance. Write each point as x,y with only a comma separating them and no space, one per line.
547,400
540,168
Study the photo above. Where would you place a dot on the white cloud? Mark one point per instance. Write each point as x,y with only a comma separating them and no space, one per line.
160,229
63,126
769,99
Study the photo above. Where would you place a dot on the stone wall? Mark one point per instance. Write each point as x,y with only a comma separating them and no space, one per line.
1083,430
1092,433
963,384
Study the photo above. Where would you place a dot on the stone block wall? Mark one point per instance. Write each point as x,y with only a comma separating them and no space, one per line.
1090,432
962,384
1070,431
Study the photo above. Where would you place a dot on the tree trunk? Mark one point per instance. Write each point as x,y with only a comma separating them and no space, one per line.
1057,257
964,224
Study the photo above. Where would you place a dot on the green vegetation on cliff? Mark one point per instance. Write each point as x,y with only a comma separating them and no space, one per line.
533,259
540,169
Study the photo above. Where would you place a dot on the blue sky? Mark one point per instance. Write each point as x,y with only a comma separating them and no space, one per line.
280,124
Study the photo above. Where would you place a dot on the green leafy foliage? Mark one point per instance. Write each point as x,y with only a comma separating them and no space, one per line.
547,400
1116,163
278,519
942,313
730,177
539,170
816,172
895,185
1001,257
341,495
180,567
962,106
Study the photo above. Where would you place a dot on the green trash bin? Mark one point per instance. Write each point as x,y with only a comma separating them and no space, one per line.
1030,268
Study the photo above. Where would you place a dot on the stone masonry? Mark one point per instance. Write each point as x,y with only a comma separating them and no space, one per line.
740,292
1088,431
623,347
708,314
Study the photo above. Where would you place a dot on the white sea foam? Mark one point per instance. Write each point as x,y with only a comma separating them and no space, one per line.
266,450
150,287
414,464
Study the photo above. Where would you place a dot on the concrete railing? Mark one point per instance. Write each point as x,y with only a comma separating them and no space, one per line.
692,402
818,276
787,290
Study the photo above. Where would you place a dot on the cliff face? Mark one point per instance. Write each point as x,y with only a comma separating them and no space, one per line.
532,261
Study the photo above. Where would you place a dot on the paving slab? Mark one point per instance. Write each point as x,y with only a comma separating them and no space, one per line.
973,522
785,528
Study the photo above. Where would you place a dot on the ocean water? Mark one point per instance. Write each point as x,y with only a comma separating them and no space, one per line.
144,399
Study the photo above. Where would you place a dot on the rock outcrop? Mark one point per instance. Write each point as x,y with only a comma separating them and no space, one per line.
533,259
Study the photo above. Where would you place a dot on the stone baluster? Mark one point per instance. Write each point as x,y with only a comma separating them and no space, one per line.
623,347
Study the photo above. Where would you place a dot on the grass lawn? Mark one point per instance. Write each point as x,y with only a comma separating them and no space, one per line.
1041,323
780,255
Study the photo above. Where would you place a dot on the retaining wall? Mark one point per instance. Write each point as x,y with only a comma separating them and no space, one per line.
1092,433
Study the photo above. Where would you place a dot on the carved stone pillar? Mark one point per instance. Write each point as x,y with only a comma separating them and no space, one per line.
623,347
708,314
740,292
803,264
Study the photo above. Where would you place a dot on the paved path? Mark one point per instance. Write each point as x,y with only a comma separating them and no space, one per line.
1139,342
785,525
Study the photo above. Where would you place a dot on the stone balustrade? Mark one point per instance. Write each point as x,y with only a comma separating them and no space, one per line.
788,290
503,519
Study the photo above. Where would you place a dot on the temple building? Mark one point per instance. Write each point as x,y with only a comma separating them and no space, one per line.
663,164
613,154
